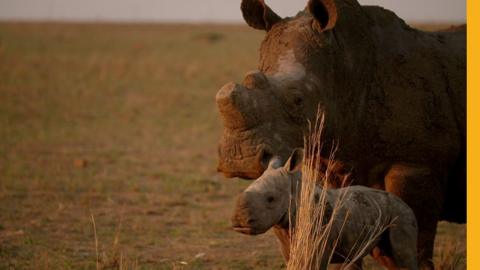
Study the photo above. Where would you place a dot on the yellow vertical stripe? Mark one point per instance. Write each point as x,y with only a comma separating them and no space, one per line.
473,135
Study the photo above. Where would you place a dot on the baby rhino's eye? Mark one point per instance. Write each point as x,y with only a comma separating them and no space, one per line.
298,101
270,199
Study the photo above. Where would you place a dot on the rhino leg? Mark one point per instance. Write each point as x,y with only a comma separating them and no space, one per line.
403,243
423,191
383,260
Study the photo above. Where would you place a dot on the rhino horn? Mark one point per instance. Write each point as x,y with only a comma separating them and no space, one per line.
232,102
259,15
324,12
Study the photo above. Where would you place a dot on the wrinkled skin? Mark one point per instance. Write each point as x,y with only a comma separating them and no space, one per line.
393,98
266,204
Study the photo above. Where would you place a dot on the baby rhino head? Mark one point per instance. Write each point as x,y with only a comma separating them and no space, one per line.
266,202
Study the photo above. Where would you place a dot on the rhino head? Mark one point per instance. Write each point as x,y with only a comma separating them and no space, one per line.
270,200
304,65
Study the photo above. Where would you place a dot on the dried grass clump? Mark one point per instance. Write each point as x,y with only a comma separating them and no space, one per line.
114,258
451,256
315,236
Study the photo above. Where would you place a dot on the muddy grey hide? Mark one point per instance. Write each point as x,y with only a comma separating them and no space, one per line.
271,202
393,97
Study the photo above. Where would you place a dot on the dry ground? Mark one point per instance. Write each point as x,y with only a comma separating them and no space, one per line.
118,123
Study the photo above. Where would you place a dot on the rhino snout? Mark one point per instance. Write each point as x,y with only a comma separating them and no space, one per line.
242,161
242,220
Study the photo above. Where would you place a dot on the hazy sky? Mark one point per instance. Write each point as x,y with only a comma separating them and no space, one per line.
203,10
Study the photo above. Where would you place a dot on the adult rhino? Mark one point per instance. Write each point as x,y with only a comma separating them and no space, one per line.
393,96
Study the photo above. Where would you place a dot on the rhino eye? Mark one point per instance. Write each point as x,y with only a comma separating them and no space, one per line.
270,199
298,101
295,103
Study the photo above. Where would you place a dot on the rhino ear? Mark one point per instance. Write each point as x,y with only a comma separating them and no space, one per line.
324,12
258,15
294,163
275,163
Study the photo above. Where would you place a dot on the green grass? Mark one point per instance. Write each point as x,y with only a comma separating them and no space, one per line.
119,122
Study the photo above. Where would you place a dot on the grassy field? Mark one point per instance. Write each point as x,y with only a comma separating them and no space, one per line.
114,127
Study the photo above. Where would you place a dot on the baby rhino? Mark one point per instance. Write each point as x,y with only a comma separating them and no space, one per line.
270,201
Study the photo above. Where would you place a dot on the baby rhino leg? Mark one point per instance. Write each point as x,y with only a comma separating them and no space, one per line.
403,241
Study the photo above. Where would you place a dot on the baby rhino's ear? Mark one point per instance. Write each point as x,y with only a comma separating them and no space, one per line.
295,161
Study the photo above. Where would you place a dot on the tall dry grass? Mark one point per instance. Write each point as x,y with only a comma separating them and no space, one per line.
318,229
112,257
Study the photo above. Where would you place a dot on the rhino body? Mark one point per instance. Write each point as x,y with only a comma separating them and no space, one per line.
393,97
360,213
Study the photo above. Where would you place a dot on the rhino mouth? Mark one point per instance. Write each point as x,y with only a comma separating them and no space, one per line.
250,230
244,230
247,163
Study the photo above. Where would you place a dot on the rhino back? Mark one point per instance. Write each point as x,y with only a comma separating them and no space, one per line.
417,97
